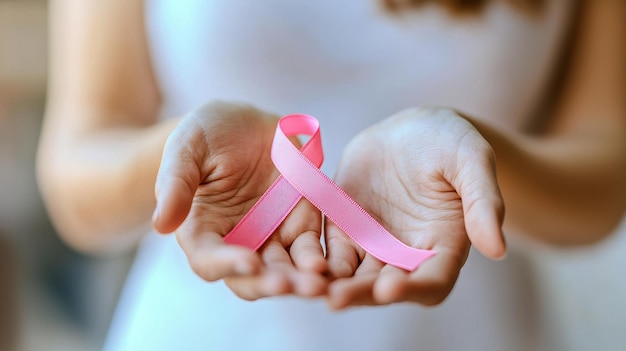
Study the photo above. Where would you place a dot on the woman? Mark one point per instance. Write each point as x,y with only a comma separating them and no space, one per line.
120,69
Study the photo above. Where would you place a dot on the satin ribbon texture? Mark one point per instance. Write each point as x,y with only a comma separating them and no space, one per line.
300,176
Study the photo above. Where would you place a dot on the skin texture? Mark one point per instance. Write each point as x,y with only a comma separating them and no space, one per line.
102,148
206,187
440,195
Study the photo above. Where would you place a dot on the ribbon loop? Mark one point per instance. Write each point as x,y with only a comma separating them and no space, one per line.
301,176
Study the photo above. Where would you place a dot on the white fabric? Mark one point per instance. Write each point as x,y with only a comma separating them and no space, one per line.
350,65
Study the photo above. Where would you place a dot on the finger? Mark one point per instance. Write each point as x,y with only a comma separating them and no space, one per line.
342,255
269,283
351,291
483,223
369,265
483,207
275,255
279,277
307,253
356,290
391,285
211,259
176,183
432,282
301,232
272,280
308,284
302,283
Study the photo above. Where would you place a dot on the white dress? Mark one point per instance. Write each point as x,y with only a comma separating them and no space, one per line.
348,64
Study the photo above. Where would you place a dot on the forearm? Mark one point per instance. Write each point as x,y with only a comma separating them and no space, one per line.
99,186
565,189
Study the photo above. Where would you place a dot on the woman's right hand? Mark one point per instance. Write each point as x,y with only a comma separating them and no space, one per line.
215,166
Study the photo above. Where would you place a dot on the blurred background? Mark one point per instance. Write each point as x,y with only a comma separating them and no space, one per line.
51,298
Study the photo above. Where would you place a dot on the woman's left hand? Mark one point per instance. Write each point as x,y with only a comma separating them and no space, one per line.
429,177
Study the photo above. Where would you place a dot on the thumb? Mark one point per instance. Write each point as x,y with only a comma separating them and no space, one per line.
483,207
176,183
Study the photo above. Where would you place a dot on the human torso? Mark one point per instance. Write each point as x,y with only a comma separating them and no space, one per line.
350,65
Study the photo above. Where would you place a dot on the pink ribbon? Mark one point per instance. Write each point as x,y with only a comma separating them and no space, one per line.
301,176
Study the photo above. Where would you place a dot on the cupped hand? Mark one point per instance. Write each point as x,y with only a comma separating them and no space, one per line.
215,166
429,177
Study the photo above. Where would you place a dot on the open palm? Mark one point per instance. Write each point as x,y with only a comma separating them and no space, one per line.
215,166
428,176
